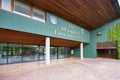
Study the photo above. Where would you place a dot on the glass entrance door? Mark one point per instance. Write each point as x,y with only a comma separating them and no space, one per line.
60,52
66,52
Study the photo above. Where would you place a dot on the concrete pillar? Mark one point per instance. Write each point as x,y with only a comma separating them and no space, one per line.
72,53
81,51
47,48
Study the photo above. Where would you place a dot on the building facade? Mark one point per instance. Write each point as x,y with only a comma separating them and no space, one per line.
28,33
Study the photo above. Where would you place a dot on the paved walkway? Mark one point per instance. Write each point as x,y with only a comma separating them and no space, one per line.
70,69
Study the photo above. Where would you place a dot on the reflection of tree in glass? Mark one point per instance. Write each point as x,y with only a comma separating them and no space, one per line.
28,51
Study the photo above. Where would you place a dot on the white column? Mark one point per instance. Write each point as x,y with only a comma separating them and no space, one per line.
72,51
47,48
81,51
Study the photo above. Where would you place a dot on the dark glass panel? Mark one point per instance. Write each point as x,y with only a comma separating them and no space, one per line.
67,52
29,53
3,53
14,53
41,53
53,52
60,52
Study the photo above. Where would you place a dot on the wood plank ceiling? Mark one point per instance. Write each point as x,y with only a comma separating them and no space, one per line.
89,14
10,36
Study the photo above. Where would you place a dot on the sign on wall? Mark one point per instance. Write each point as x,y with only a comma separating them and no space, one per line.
69,32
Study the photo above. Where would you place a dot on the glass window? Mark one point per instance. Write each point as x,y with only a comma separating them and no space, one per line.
53,52
14,53
63,52
67,52
3,53
6,5
21,8
38,15
60,52
41,53
37,52
30,53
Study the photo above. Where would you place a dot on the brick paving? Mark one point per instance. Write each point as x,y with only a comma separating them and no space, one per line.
68,69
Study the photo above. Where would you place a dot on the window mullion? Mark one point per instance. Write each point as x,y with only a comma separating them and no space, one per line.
31,11
12,5
0,3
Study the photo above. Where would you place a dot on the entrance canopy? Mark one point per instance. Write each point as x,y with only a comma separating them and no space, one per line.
10,36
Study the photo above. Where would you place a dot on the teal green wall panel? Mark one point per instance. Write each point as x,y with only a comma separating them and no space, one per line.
17,22
90,49
104,30
76,52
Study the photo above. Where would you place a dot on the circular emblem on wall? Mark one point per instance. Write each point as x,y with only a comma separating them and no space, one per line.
53,19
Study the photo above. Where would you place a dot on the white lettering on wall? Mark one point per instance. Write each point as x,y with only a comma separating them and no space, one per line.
68,31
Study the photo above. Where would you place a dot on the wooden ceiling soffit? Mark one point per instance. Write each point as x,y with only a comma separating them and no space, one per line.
17,37
89,14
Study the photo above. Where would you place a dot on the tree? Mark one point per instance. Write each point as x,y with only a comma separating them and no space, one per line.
114,35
